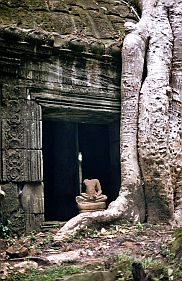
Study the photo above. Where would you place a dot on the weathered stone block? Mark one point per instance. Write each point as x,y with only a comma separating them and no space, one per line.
11,202
17,251
91,276
17,222
33,221
33,198
11,210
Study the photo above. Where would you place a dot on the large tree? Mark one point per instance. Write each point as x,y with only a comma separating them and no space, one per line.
151,121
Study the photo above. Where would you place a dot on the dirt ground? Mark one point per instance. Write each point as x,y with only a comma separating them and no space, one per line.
94,247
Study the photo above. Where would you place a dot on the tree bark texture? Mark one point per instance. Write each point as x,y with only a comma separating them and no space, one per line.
175,109
151,122
159,139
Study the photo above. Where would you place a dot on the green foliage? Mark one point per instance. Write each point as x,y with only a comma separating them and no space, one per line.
48,239
85,233
139,228
89,232
159,271
123,264
149,262
5,229
49,274
177,243
167,252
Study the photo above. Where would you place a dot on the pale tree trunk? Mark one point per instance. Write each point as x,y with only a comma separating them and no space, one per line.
160,114
175,109
154,118
151,122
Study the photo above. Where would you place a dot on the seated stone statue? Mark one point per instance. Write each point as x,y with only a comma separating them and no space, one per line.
93,191
92,199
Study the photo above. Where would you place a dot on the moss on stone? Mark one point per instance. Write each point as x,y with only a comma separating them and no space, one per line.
66,17
22,18
89,21
27,4
177,243
5,15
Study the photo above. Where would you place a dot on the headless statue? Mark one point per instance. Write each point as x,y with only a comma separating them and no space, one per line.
93,192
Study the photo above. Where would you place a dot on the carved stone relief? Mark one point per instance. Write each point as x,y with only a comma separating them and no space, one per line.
21,141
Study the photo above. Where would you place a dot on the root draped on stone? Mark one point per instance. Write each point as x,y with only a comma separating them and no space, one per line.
151,121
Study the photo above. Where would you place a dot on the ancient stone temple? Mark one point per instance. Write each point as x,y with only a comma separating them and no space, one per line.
60,72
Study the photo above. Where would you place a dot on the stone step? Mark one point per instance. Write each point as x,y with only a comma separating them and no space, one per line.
47,225
91,276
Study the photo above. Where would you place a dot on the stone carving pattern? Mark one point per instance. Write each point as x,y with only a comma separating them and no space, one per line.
21,146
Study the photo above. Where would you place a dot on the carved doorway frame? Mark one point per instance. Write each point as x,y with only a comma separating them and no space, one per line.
60,106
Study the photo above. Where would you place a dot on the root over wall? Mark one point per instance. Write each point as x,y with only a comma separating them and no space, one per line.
151,122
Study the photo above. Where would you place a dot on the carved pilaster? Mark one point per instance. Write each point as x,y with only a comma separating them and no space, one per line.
21,137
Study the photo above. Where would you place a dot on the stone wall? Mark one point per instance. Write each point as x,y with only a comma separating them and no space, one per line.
61,59
101,19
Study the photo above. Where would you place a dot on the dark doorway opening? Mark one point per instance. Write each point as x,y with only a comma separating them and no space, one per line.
62,143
